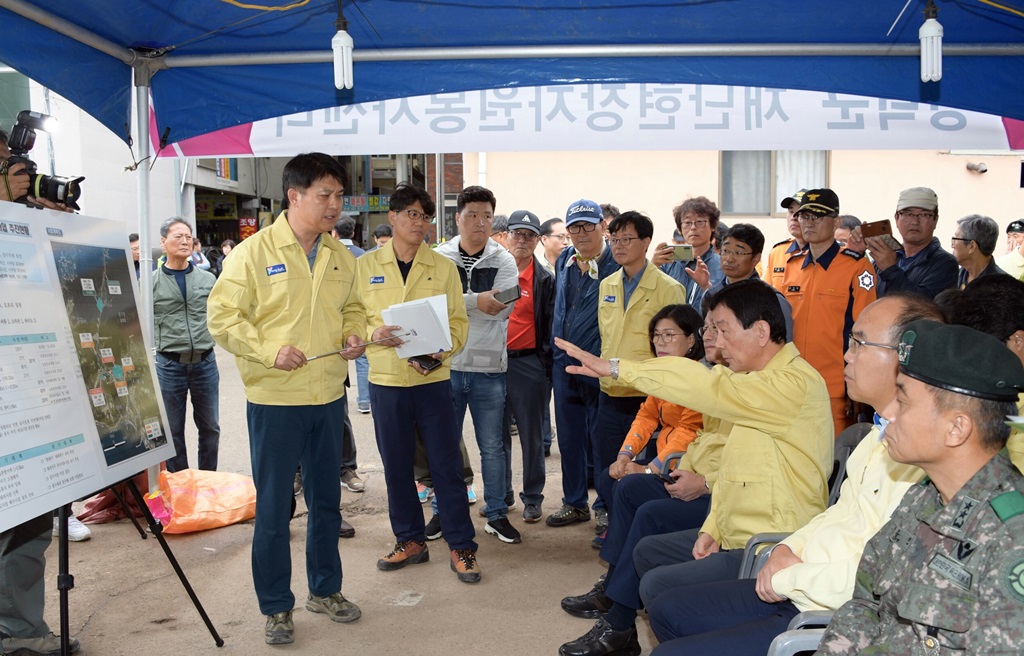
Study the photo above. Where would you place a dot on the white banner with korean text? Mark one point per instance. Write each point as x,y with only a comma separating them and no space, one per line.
611,117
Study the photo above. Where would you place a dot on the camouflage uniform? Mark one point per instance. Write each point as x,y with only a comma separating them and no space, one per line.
938,579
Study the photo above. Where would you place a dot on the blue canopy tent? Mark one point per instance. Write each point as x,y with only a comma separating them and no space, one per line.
211,65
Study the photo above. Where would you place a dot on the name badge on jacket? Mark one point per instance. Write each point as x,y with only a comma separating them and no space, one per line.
275,269
376,280
609,298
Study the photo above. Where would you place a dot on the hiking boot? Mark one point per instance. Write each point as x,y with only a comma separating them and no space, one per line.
532,513
568,515
504,530
432,531
350,481
335,606
603,640
465,566
47,645
280,629
592,605
404,553
600,521
297,483
424,492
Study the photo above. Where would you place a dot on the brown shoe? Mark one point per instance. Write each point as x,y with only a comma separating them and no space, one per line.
405,553
465,566
347,531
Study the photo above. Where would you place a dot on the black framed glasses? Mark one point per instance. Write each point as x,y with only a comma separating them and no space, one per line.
582,226
811,217
615,241
416,215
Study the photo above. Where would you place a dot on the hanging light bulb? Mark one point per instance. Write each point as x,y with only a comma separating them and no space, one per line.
931,44
342,44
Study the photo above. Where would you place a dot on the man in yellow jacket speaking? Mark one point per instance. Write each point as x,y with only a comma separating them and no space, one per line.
286,295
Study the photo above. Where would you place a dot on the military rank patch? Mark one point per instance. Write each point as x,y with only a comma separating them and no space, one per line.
963,514
1014,579
866,281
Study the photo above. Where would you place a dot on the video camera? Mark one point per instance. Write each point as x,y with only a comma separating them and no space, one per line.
51,187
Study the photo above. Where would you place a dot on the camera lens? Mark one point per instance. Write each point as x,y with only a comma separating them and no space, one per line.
57,189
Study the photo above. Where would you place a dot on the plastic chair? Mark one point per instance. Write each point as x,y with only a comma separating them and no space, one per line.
754,560
799,637
846,442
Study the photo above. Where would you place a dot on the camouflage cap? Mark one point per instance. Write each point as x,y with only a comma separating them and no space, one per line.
960,360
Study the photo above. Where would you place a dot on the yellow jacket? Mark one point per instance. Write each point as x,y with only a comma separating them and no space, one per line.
267,298
831,544
778,455
704,455
380,285
624,333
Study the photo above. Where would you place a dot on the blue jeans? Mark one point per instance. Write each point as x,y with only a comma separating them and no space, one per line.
202,380
362,381
281,439
484,395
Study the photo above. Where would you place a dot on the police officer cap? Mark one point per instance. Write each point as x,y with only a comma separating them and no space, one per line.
960,360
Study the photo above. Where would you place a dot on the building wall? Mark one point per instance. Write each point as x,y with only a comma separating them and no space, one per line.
868,183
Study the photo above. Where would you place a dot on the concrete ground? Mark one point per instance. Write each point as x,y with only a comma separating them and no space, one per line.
128,601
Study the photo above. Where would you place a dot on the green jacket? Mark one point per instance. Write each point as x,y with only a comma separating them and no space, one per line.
180,323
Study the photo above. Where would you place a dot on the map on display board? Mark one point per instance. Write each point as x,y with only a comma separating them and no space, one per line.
80,408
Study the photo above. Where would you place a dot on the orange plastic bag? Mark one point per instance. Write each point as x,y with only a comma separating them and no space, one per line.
197,500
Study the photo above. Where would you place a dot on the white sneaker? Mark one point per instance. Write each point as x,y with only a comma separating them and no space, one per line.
77,531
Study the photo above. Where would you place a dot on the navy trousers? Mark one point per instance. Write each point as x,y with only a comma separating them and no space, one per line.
282,438
642,508
576,426
399,413
615,415
726,617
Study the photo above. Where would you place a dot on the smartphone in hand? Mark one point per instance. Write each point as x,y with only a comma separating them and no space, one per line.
426,362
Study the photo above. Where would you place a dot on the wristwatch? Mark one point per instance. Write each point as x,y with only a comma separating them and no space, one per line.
647,470
614,363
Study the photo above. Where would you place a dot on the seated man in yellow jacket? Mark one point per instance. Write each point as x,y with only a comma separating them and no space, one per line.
814,568
776,459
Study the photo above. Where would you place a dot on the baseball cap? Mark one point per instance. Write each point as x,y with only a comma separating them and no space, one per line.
524,219
922,197
583,210
795,198
820,201
960,360
1015,226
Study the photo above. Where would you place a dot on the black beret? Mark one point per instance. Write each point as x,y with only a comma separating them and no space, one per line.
961,360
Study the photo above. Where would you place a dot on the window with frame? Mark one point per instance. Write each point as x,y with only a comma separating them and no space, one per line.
754,182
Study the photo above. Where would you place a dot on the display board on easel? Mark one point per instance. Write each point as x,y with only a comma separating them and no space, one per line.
80,408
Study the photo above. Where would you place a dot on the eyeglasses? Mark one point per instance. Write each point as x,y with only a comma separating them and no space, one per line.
956,239
582,226
615,241
416,215
559,236
687,225
523,235
811,217
731,253
856,343
707,332
666,336
917,216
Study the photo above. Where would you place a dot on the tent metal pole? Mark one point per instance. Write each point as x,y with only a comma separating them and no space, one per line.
145,266
69,29
637,50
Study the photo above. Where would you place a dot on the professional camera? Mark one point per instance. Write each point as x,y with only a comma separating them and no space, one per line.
51,187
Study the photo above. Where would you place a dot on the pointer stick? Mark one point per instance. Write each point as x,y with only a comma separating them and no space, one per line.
411,333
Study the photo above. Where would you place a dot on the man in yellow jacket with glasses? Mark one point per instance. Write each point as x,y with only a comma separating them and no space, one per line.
287,294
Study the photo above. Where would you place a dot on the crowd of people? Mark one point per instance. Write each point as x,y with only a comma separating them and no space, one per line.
696,392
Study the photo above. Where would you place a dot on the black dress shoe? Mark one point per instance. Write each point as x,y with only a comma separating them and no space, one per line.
592,605
602,640
346,530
